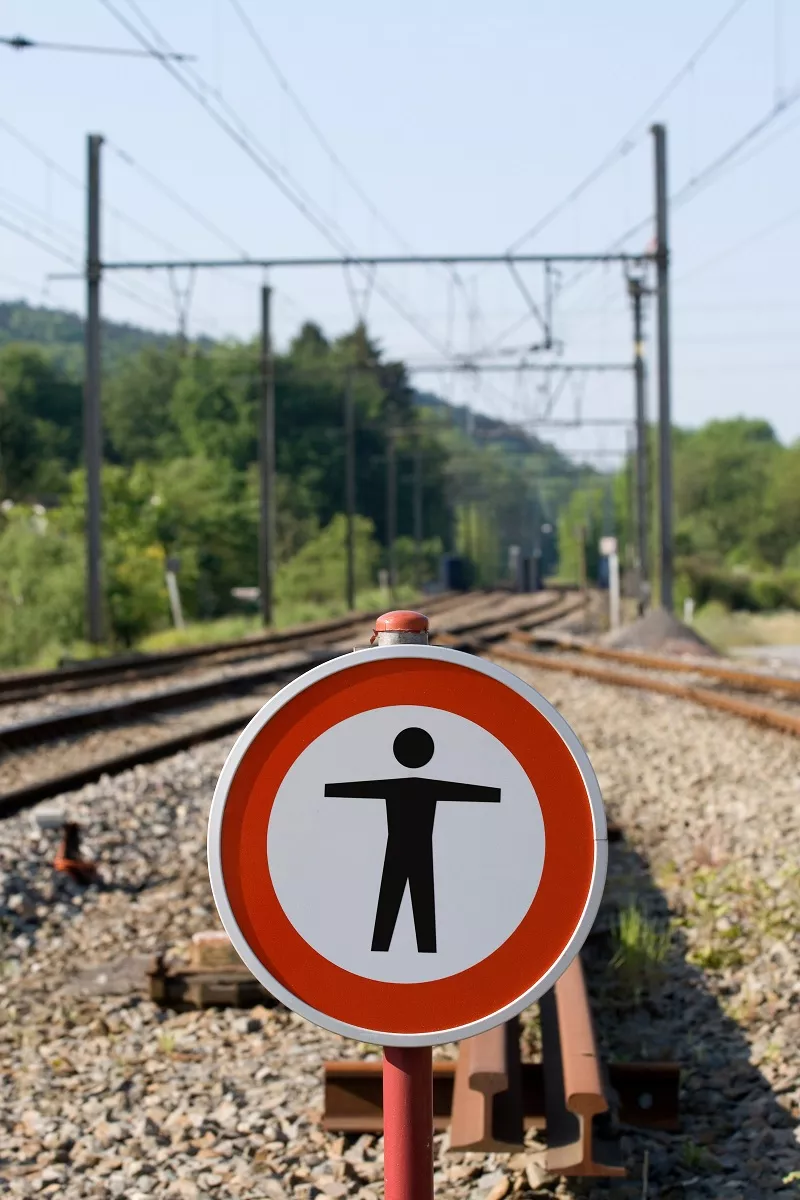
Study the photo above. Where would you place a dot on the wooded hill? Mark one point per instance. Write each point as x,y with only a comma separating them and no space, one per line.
180,447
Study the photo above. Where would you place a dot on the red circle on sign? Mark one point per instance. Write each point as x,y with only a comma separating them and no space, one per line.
479,693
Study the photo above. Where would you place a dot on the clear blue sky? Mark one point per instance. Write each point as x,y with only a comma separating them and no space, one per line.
464,123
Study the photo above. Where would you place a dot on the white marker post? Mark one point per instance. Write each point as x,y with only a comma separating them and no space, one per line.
171,573
608,548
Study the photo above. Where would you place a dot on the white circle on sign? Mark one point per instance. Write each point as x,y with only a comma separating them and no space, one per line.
326,854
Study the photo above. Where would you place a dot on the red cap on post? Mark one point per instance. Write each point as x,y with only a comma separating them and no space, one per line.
401,621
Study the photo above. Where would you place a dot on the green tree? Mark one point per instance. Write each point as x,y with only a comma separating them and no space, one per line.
778,536
721,475
214,404
137,406
40,423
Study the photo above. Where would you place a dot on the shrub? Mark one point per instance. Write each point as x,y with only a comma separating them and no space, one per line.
738,589
318,571
41,585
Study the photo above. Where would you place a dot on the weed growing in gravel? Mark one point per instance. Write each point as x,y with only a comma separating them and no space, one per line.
697,1158
641,948
727,913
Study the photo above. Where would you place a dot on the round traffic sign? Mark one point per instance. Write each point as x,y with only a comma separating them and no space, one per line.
407,845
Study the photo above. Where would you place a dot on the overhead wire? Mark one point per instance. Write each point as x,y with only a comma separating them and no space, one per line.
16,281
119,214
36,240
200,92
627,142
80,185
323,141
73,180
232,125
18,42
180,201
723,162
185,206
742,244
312,125
48,247
138,294
11,201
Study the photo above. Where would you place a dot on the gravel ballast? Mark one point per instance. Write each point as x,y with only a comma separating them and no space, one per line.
102,1094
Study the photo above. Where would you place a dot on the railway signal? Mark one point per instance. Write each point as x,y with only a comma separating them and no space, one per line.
407,846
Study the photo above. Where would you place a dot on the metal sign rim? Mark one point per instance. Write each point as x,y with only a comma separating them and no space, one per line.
234,759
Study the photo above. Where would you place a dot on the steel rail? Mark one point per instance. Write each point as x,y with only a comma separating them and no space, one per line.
103,716
768,717
488,1098
19,686
746,681
76,721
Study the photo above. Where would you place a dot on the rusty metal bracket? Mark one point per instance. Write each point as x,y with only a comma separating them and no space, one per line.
185,987
68,859
354,1096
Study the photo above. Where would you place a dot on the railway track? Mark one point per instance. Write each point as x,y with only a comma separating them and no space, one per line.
728,692
492,1096
19,686
45,756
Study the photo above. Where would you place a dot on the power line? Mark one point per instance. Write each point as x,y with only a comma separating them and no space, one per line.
35,239
18,42
321,138
183,204
16,281
312,125
80,184
10,200
246,141
111,209
634,134
757,236
176,198
726,160
261,158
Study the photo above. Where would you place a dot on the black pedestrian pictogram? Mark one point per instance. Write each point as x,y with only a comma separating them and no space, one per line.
410,813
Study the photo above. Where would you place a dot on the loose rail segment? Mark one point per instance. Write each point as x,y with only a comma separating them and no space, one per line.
489,1097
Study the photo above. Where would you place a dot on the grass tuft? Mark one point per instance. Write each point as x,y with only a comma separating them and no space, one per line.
641,948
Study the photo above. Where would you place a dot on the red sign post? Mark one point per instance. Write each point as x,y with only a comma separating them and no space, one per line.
407,1070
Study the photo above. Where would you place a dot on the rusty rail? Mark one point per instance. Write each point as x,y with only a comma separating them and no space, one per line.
489,1097
486,631
770,717
76,722
18,686
575,1092
746,681
487,1109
